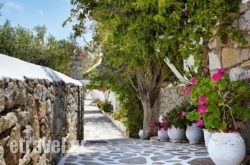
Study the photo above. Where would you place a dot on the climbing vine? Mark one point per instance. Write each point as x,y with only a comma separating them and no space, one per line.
192,23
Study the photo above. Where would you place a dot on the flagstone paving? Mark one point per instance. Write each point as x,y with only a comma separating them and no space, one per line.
105,145
134,151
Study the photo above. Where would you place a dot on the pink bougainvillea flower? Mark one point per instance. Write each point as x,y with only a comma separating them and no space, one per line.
216,76
187,90
221,70
199,123
202,99
184,114
193,80
202,109
165,128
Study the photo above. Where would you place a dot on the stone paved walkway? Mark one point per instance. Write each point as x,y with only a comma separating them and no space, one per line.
105,145
97,125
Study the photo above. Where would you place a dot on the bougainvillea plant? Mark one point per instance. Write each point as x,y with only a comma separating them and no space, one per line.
162,124
177,116
221,103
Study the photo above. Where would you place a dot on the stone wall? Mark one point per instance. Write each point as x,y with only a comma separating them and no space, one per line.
232,54
38,110
170,96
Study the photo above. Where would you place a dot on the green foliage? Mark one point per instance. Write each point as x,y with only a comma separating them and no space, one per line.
177,115
106,106
175,27
118,115
34,46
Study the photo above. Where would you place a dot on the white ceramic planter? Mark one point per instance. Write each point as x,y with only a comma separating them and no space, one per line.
194,134
163,135
226,148
207,135
176,134
140,133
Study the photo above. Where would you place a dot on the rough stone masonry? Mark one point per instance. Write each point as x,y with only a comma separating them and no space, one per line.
37,110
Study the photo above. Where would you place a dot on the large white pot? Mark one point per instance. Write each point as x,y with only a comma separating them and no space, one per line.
194,134
207,136
163,134
226,148
176,134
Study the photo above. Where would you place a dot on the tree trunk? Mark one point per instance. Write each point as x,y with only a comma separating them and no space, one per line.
151,114
148,86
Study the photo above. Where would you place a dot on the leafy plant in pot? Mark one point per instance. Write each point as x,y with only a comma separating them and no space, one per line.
162,127
177,123
221,108
193,132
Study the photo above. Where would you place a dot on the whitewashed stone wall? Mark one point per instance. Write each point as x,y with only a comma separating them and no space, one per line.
114,101
35,110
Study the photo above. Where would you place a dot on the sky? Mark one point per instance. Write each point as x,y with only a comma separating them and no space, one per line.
30,13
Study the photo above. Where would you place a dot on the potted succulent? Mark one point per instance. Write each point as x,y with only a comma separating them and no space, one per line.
221,108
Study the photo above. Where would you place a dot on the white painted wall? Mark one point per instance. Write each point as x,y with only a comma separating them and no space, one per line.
114,101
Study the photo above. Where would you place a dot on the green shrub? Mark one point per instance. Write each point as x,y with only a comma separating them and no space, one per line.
106,106
117,115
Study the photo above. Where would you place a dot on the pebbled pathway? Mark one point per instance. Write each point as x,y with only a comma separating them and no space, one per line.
105,145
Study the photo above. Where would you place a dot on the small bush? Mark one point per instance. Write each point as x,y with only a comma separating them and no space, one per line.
119,115
116,115
106,106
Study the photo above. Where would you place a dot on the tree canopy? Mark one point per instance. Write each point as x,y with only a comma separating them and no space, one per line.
34,46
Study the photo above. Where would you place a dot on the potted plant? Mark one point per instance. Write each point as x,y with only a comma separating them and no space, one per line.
221,108
177,122
162,128
193,132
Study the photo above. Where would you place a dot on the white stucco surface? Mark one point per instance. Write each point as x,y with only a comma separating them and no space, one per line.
17,69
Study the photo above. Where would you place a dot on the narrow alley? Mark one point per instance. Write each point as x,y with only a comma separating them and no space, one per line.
105,145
